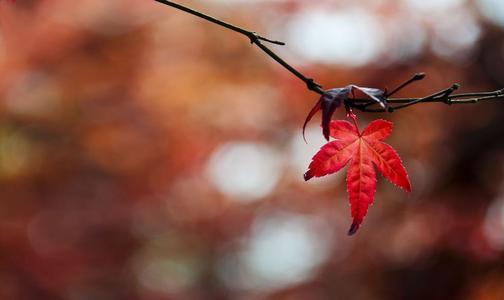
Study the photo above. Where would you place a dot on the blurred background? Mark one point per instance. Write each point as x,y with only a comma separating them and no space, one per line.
147,154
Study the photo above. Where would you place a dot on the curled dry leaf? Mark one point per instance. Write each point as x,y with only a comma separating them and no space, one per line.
363,152
334,98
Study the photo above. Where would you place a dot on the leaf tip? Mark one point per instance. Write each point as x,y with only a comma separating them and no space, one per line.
304,136
353,229
310,115
407,188
326,131
308,175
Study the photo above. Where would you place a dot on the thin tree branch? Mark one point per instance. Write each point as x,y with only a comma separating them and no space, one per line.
445,96
254,39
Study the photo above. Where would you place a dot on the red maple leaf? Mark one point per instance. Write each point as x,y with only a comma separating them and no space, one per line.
362,150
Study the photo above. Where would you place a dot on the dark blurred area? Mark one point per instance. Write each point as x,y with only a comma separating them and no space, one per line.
147,154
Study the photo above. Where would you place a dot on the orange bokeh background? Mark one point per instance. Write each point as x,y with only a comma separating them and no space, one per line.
147,154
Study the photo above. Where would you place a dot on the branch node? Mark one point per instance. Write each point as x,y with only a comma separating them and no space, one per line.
254,37
419,76
312,85
448,92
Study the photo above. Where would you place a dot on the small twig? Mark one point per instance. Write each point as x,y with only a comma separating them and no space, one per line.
254,39
416,77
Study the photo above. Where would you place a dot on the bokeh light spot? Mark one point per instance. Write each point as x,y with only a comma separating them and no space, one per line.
245,171
494,224
405,40
493,10
167,275
34,94
455,34
335,36
432,6
15,154
283,249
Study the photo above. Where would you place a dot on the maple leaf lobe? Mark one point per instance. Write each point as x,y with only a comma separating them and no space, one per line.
385,158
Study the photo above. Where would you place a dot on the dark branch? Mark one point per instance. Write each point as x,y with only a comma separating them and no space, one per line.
254,39
416,77
445,96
